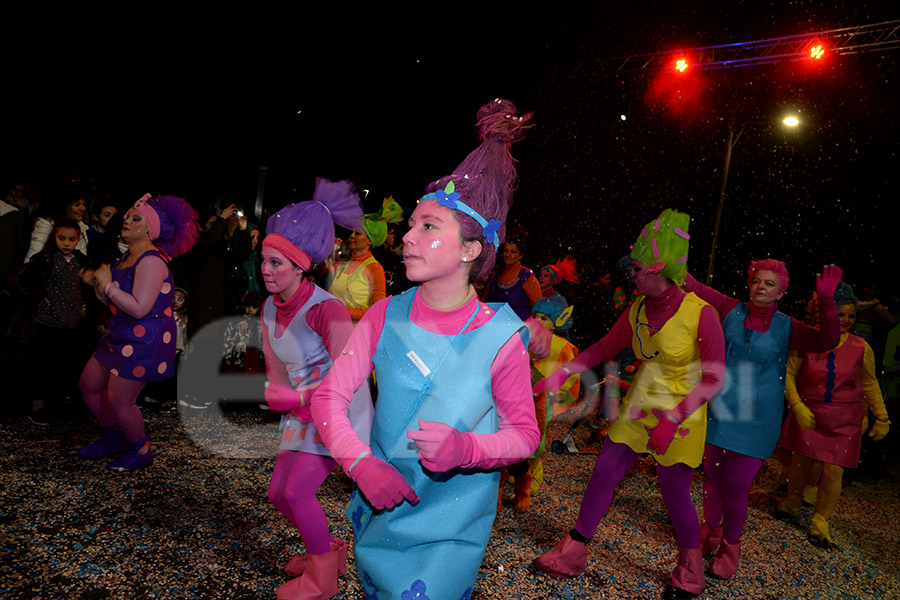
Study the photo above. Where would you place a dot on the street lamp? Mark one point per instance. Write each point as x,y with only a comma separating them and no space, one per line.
789,121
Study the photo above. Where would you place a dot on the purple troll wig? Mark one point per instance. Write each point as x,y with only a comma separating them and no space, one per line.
304,232
770,264
485,180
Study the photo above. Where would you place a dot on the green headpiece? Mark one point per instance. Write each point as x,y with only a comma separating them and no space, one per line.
375,224
663,245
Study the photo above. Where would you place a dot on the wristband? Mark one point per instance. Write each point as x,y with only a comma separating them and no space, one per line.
358,458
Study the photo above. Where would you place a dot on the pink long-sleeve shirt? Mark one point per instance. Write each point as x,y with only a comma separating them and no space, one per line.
518,434
660,309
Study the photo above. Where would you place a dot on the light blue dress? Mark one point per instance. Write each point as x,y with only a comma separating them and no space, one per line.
746,416
431,550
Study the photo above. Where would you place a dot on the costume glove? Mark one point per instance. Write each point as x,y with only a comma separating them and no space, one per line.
662,434
827,281
879,430
381,484
441,447
804,416
282,398
551,383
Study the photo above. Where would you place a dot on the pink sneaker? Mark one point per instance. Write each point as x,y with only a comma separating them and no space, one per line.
567,559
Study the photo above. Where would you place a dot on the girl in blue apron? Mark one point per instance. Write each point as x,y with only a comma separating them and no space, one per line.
454,401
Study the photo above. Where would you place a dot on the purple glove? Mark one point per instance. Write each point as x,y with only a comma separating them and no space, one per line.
282,398
441,447
827,281
662,434
381,484
552,383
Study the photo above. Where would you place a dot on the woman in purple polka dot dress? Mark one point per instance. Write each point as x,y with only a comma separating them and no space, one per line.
140,344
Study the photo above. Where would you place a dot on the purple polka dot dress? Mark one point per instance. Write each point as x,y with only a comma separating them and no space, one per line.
140,349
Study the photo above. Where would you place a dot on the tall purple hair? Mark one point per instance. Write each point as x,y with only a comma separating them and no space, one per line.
487,177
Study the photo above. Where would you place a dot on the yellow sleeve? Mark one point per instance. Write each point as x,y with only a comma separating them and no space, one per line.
790,378
871,389
572,386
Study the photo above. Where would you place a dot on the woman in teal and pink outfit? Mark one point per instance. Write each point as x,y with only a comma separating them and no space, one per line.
454,397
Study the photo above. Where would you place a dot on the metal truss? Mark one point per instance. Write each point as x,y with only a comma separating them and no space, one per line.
849,40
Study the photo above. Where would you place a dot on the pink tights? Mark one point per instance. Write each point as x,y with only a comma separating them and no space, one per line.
726,489
295,480
674,483
112,399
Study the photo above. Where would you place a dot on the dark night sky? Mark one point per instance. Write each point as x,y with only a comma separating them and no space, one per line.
195,104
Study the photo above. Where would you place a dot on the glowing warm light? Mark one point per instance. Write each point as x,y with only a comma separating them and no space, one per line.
817,51
791,121
681,65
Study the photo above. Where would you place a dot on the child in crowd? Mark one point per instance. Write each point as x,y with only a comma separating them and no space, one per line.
51,281
243,338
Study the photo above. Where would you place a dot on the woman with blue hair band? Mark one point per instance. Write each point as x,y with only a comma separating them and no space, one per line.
829,394
454,388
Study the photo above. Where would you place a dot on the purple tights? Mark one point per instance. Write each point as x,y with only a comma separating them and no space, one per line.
295,480
727,488
674,483
112,399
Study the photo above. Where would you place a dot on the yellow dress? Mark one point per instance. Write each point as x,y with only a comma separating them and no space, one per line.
662,382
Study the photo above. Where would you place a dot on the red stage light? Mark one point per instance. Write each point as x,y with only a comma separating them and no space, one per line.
817,52
681,65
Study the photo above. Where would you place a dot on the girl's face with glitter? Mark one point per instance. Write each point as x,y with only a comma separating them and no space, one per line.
178,300
432,248
280,275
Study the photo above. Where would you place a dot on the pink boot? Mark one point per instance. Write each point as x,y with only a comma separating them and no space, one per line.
297,564
687,578
726,561
318,582
710,537
567,559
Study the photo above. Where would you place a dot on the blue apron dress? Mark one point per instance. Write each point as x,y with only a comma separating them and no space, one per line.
746,416
433,549
307,360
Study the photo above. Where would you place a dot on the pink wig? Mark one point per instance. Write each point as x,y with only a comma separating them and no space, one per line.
770,264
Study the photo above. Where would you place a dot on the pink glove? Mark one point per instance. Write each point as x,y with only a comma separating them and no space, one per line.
381,484
662,434
282,398
551,383
441,447
827,281
304,413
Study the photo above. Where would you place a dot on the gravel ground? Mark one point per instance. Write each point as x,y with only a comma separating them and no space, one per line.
197,524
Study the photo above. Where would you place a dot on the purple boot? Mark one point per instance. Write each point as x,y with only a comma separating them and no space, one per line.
726,561
132,459
567,559
111,443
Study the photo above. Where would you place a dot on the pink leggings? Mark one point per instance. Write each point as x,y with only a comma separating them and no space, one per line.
295,480
112,399
726,489
674,483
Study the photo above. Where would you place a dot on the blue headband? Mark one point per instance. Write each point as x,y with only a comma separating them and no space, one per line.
449,198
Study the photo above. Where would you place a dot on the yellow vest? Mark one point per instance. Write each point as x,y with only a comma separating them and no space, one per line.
663,382
353,289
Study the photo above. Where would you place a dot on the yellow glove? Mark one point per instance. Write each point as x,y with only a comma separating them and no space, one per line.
804,416
879,430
